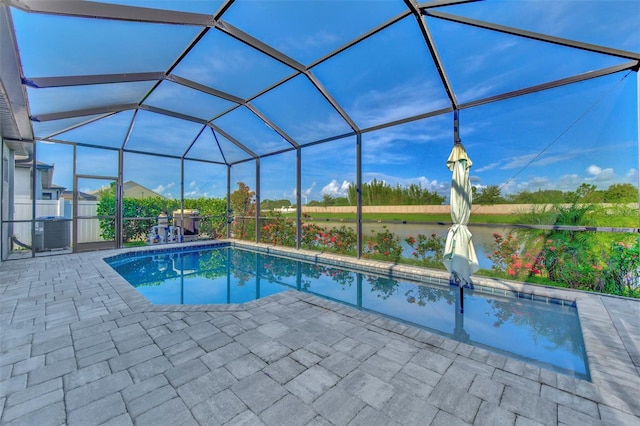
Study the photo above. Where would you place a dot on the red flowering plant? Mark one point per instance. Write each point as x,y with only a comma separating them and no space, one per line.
243,228
310,233
428,250
510,257
339,240
278,231
384,245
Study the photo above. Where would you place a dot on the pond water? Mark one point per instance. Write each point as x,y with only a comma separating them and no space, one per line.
482,235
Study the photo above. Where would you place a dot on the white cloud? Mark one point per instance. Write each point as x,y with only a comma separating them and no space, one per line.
335,189
513,186
606,175
475,63
631,175
603,178
162,189
594,170
305,193
487,167
316,128
194,191
524,161
600,177
318,39
594,174
382,146
477,91
568,182
219,62
405,100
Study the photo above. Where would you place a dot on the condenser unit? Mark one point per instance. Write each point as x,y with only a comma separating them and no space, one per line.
52,232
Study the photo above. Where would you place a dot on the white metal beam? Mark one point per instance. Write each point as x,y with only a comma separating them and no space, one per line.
13,98
84,80
88,9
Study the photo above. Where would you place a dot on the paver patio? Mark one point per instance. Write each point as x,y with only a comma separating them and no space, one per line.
80,346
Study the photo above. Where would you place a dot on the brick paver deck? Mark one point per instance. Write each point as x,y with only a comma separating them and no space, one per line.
80,346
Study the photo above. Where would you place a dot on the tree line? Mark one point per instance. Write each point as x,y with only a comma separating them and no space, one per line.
379,193
585,193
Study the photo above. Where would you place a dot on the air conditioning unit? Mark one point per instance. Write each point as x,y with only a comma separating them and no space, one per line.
52,232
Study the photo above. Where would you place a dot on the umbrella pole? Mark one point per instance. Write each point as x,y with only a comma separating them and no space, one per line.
456,128
461,298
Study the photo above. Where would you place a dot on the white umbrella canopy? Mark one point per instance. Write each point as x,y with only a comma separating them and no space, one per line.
460,257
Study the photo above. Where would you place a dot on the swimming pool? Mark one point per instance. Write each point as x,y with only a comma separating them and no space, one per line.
546,333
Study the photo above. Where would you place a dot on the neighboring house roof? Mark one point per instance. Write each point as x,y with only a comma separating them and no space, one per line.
39,165
54,186
82,196
133,190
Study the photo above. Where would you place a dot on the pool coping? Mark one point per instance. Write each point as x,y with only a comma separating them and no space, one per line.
608,357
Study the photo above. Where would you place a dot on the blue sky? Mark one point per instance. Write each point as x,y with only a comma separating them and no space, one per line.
557,139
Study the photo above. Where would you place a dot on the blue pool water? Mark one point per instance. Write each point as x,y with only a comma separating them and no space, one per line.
546,333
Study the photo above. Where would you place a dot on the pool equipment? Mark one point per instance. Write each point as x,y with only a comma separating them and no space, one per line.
157,235
187,220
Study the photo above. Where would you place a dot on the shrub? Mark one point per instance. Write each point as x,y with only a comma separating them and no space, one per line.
570,260
213,213
135,229
132,230
244,228
510,257
384,245
310,233
339,240
622,272
428,250
279,231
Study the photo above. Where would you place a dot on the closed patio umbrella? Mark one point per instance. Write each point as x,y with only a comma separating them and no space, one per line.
459,255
